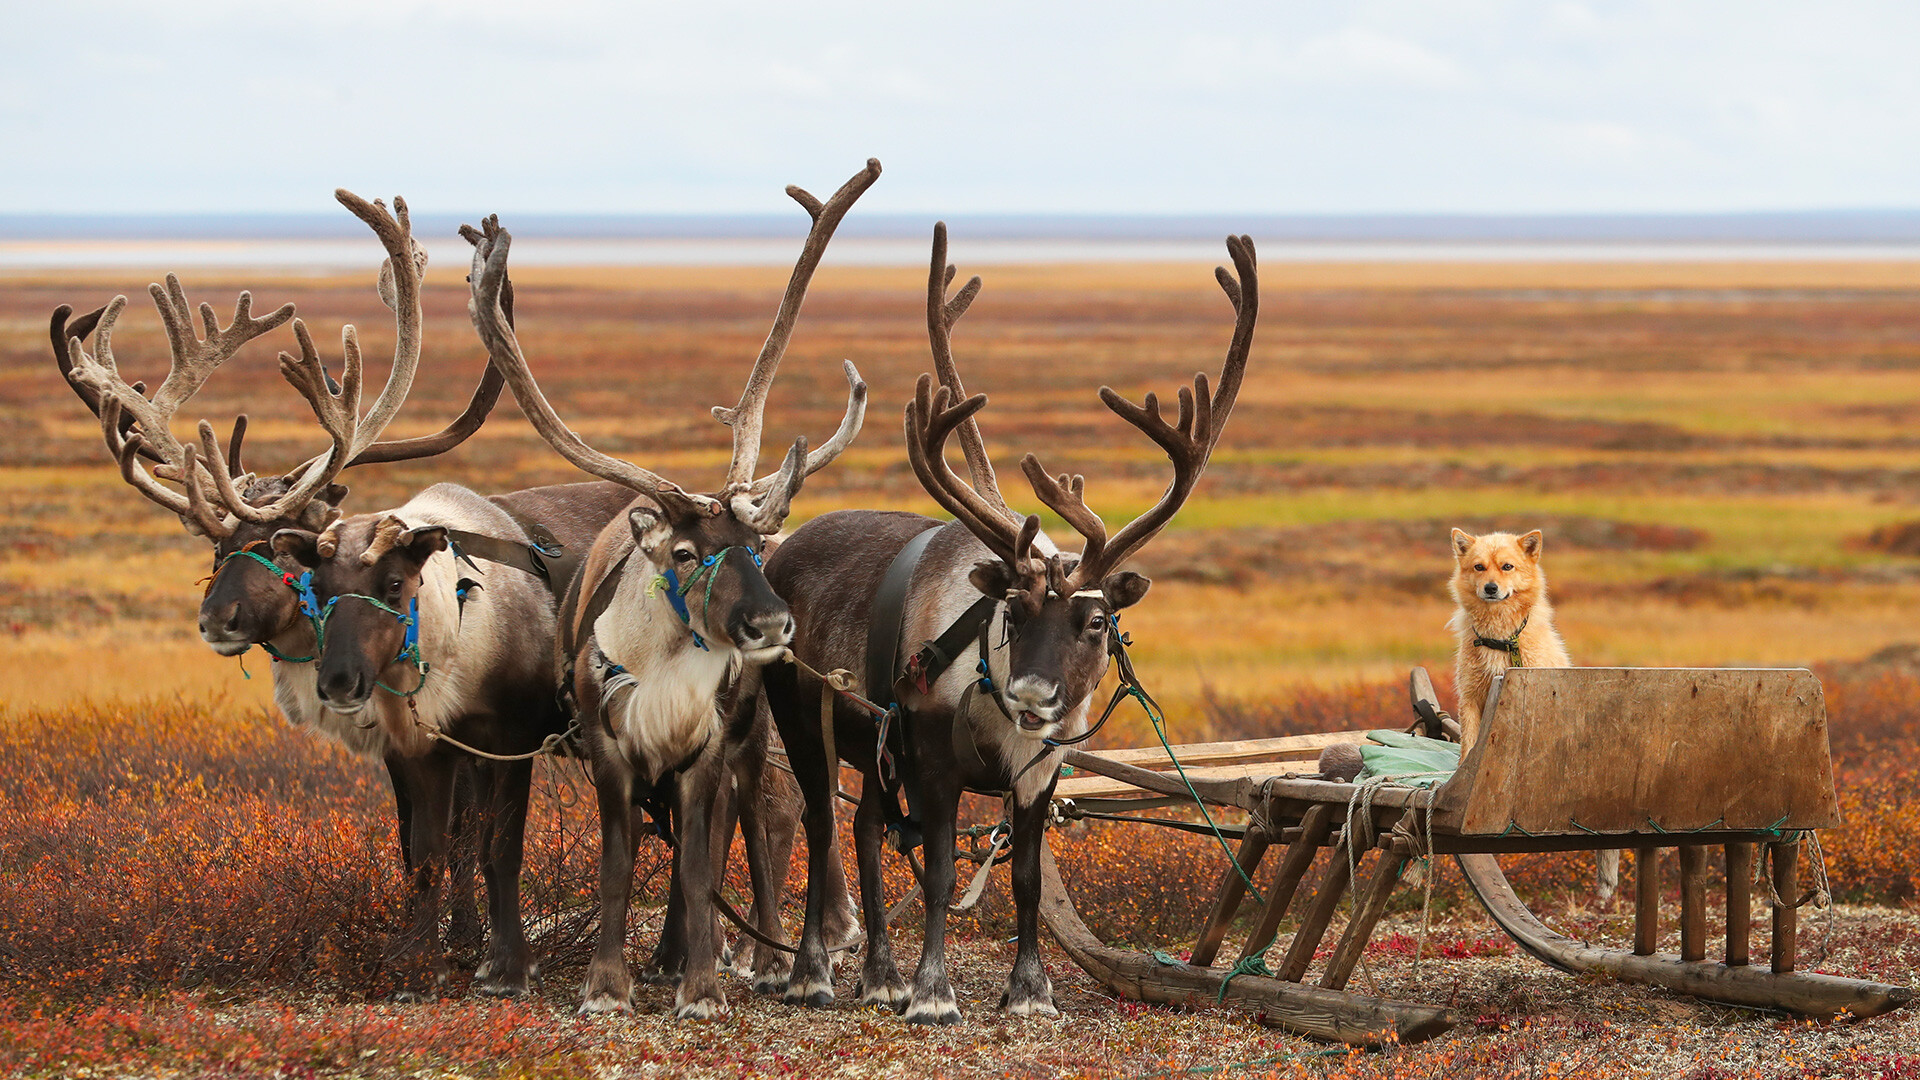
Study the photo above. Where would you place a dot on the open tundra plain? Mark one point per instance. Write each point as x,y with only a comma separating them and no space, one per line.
1725,459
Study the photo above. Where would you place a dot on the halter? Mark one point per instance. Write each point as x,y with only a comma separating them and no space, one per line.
302,586
409,648
1506,644
677,590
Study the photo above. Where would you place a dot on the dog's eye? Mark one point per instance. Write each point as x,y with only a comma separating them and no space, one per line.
1506,566
1480,567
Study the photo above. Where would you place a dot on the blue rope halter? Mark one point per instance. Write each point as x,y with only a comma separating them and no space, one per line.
301,585
409,647
677,590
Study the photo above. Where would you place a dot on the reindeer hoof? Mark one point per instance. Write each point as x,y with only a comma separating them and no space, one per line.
703,1009
815,994
1028,1007
603,1004
889,993
932,1009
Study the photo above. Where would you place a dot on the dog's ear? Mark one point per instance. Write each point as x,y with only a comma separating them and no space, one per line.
1461,542
1531,543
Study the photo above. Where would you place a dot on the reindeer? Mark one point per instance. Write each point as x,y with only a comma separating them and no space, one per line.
1043,622
671,613
254,598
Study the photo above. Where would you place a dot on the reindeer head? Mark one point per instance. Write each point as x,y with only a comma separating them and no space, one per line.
249,600
1060,608
705,548
367,571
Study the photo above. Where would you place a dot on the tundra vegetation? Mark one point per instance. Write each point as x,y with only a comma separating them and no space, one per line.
1722,457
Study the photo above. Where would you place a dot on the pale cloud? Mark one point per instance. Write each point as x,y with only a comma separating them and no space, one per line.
1378,105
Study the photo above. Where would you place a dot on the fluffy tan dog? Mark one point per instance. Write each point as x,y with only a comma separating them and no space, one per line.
1501,619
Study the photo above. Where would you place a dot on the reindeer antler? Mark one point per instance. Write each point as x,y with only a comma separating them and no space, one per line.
767,500
761,503
1188,443
135,426
942,313
933,415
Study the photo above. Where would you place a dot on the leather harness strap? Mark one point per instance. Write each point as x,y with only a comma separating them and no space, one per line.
885,623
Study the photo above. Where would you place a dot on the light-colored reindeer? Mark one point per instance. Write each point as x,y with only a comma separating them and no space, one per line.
671,614
1043,622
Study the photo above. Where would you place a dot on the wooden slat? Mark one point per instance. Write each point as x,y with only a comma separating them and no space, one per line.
1370,904
1653,749
1231,753
1739,904
1315,824
1104,787
1786,918
1308,1010
1314,926
1646,901
1693,902
1232,888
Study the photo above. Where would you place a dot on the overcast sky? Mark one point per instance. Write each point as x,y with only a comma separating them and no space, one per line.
1267,107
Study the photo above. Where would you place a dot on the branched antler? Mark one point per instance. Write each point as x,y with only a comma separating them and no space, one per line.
762,503
1188,441
942,313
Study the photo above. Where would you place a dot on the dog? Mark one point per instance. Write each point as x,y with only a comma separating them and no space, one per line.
1501,619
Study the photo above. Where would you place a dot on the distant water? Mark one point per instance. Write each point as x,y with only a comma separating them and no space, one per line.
323,242
325,254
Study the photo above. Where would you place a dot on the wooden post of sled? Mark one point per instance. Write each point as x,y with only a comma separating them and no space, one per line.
1568,759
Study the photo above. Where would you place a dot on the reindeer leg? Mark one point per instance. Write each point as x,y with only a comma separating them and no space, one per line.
729,814
669,960
402,808
880,981
700,996
424,967
509,959
1029,991
930,999
609,985
811,982
770,813
465,932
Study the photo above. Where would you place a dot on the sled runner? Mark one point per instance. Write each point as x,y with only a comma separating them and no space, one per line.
1724,764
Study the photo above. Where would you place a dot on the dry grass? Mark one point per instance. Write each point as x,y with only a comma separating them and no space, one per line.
1707,445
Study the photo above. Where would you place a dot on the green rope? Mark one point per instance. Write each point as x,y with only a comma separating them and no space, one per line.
1159,728
1514,827
1161,956
1252,965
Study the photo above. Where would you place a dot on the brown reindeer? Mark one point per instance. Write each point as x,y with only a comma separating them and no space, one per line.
250,600
671,614
1042,622
255,595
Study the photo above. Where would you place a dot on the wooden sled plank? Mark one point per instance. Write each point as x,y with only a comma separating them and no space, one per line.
1820,996
1232,753
1308,1010
1103,787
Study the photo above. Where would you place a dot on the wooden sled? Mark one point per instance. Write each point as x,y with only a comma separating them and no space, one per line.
1714,763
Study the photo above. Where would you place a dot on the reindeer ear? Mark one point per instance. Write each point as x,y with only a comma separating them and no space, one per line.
1124,589
1461,543
304,546
993,578
1532,543
651,529
422,543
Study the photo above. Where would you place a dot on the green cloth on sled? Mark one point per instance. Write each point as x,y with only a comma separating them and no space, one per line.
1402,755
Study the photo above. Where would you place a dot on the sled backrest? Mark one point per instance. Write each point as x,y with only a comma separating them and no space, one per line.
1647,750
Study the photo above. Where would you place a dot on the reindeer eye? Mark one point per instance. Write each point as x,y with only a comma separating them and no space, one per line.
684,555
1480,567
394,586
1506,566
1096,624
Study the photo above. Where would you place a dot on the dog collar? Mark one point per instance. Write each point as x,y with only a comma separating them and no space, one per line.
1505,644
